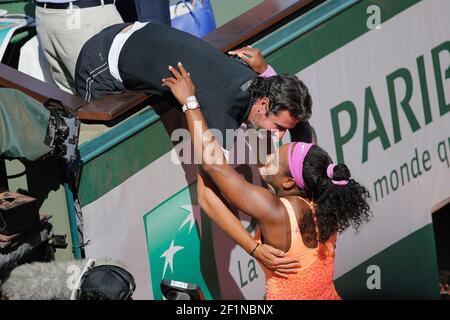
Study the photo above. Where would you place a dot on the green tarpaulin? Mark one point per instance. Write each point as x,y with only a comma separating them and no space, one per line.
23,125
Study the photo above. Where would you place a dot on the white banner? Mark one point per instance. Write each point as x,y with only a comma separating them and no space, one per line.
375,89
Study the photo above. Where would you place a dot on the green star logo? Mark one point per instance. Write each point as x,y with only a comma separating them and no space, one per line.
174,241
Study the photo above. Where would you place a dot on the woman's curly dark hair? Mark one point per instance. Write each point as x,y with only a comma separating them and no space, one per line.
285,92
337,207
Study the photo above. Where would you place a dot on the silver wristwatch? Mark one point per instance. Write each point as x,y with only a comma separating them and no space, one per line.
191,104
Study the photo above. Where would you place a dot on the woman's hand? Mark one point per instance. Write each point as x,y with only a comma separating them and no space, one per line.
180,84
252,57
276,261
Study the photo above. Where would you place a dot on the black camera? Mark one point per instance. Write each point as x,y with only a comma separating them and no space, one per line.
104,282
177,290
62,132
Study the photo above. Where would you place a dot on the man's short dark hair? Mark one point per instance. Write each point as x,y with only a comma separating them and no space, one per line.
285,92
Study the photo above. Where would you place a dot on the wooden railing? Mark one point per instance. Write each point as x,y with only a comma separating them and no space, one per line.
257,22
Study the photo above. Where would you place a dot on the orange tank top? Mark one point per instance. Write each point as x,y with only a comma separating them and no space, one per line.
314,280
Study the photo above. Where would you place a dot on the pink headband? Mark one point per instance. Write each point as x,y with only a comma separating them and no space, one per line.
296,158
330,170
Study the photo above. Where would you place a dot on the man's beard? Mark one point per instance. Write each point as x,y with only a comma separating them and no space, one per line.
253,125
261,133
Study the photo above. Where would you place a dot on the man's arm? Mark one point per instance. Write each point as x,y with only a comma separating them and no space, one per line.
255,60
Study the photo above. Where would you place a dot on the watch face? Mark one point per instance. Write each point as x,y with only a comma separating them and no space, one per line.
192,105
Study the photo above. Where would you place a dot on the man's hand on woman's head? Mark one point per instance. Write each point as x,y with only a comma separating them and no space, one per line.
276,261
252,57
180,84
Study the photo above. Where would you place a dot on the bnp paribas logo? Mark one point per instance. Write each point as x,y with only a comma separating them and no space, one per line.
174,237
169,254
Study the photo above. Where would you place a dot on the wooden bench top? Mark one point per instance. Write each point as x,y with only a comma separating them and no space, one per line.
256,23
107,108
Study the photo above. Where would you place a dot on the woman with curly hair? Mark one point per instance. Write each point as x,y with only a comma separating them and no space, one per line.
313,200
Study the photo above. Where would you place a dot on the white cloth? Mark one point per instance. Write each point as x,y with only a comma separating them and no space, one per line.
32,61
116,48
